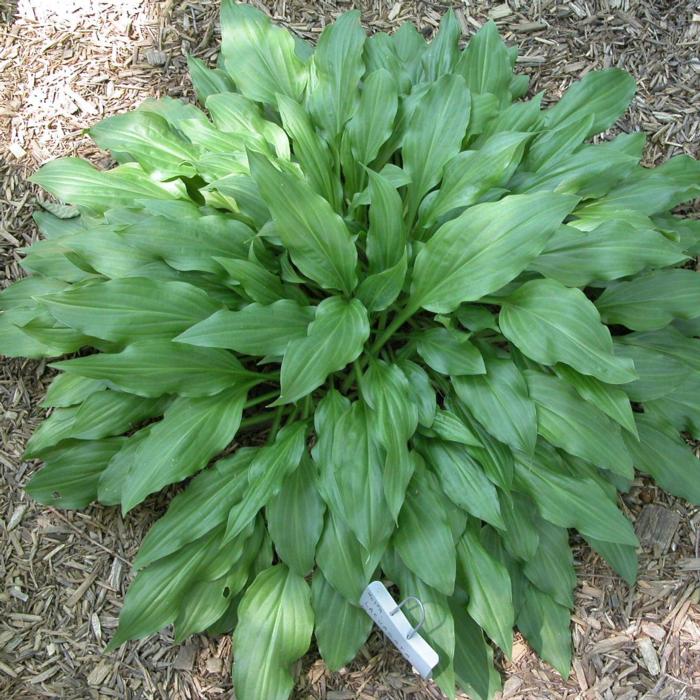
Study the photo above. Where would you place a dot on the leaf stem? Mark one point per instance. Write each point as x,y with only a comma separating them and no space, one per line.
398,321
256,400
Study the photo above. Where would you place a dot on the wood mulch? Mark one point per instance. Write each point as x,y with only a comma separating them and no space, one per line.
64,64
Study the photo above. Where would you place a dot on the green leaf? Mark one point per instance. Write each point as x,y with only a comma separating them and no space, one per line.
148,139
338,70
470,174
576,426
295,518
668,342
421,390
463,480
275,622
473,660
386,236
154,597
354,479
258,55
259,283
71,471
500,398
604,94
156,367
661,453
317,239
485,63
266,474
449,352
379,291
573,502
680,407
372,124
335,337
135,307
207,81
310,149
423,538
612,250
103,414
611,400
520,536
484,248
443,50
69,389
340,627
203,505
551,147
76,181
434,136
388,394
254,330
659,374
346,566
551,568
652,301
622,558
545,625
488,584
451,427
191,433
550,323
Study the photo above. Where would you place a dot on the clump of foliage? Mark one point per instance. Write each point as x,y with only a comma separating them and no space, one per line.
460,323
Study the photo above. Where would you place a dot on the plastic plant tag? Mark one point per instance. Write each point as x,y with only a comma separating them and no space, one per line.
388,616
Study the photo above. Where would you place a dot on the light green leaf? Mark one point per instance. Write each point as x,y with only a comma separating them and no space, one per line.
659,374
450,352
207,81
576,426
545,625
434,135
156,367
148,139
259,55
661,453
202,506
266,474
191,433
257,281
462,479
451,427
70,389
379,291
612,250
423,538
254,330
295,518
488,584
501,401
339,68
134,307
340,627
668,342
443,50
652,301
605,94
275,622
317,239
680,407
551,323
77,182
422,391
470,174
553,146
484,248
71,471
335,338
485,63
371,125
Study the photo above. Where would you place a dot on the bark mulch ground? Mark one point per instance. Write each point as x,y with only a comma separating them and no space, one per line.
64,64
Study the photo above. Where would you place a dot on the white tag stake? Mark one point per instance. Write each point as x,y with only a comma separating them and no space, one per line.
387,615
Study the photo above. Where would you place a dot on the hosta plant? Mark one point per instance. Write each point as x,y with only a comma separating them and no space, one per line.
452,322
